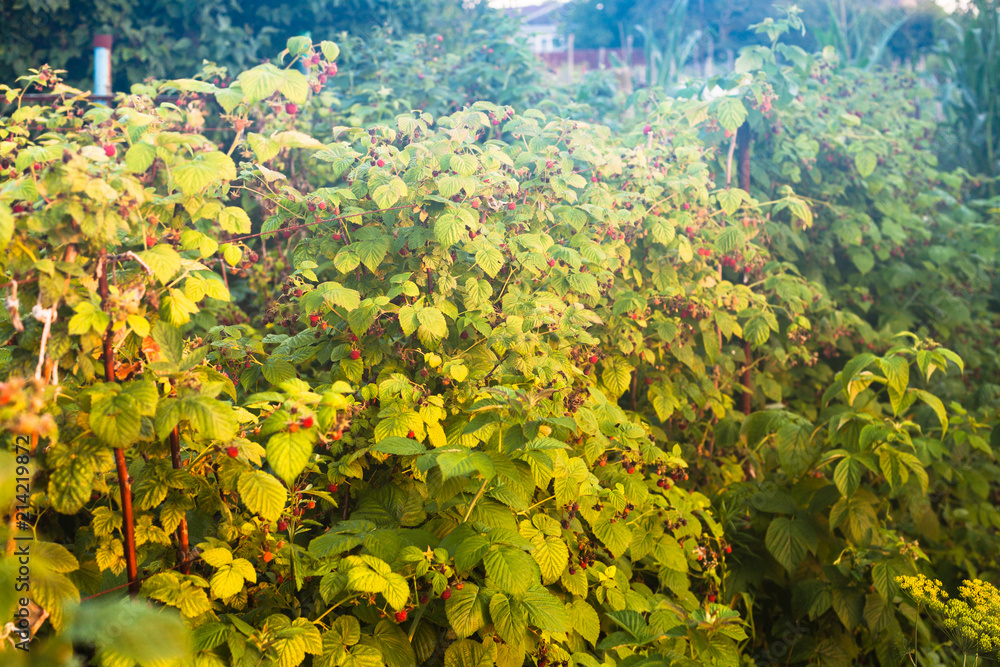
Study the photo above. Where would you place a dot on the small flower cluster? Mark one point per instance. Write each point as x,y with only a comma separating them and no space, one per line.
973,621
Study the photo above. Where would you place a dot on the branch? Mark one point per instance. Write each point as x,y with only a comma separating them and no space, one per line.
46,316
184,548
124,482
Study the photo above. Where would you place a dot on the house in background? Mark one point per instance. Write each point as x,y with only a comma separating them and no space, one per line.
541,26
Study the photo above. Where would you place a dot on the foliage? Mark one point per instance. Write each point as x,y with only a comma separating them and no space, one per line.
167,38
968,64
421,421
395,376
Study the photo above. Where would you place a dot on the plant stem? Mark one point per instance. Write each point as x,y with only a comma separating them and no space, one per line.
124,485
479,494
182,529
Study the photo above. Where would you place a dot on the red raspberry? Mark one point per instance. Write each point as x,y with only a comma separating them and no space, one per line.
314,320
355,354
593,359
109,150
332,488
400,616
511,206
307,422
647,129
446,594
291,108
232,451
380,162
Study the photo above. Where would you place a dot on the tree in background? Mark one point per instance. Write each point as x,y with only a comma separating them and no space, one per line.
723,27
168,38
969,68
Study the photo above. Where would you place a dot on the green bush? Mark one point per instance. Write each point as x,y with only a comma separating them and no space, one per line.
369,383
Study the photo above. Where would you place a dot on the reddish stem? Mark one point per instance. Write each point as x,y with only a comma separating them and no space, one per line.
124,483
184,548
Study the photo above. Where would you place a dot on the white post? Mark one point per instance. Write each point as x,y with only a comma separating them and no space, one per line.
102,65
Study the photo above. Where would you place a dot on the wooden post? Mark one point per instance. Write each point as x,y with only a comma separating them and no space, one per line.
569,57
102,65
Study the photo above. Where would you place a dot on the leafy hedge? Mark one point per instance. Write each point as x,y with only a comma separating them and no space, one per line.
464,388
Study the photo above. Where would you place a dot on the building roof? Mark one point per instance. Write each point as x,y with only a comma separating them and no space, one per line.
546,13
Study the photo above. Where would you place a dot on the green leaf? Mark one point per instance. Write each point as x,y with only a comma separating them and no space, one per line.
260,82
389,193
139,157
163,260
545,610
584,620
298,45
276,370
265,149
232,254
398,446
512,570
448,229
295,86
330,50
617,376
372,252
865,161
116,420
731,113
863,259
508,618
234,220
551,554
194,177
466,611
226,582
490,260
432,323
262,493
470,551
397,591
615,536
789,541
847,476
935,404
288,453
229,98
729,201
